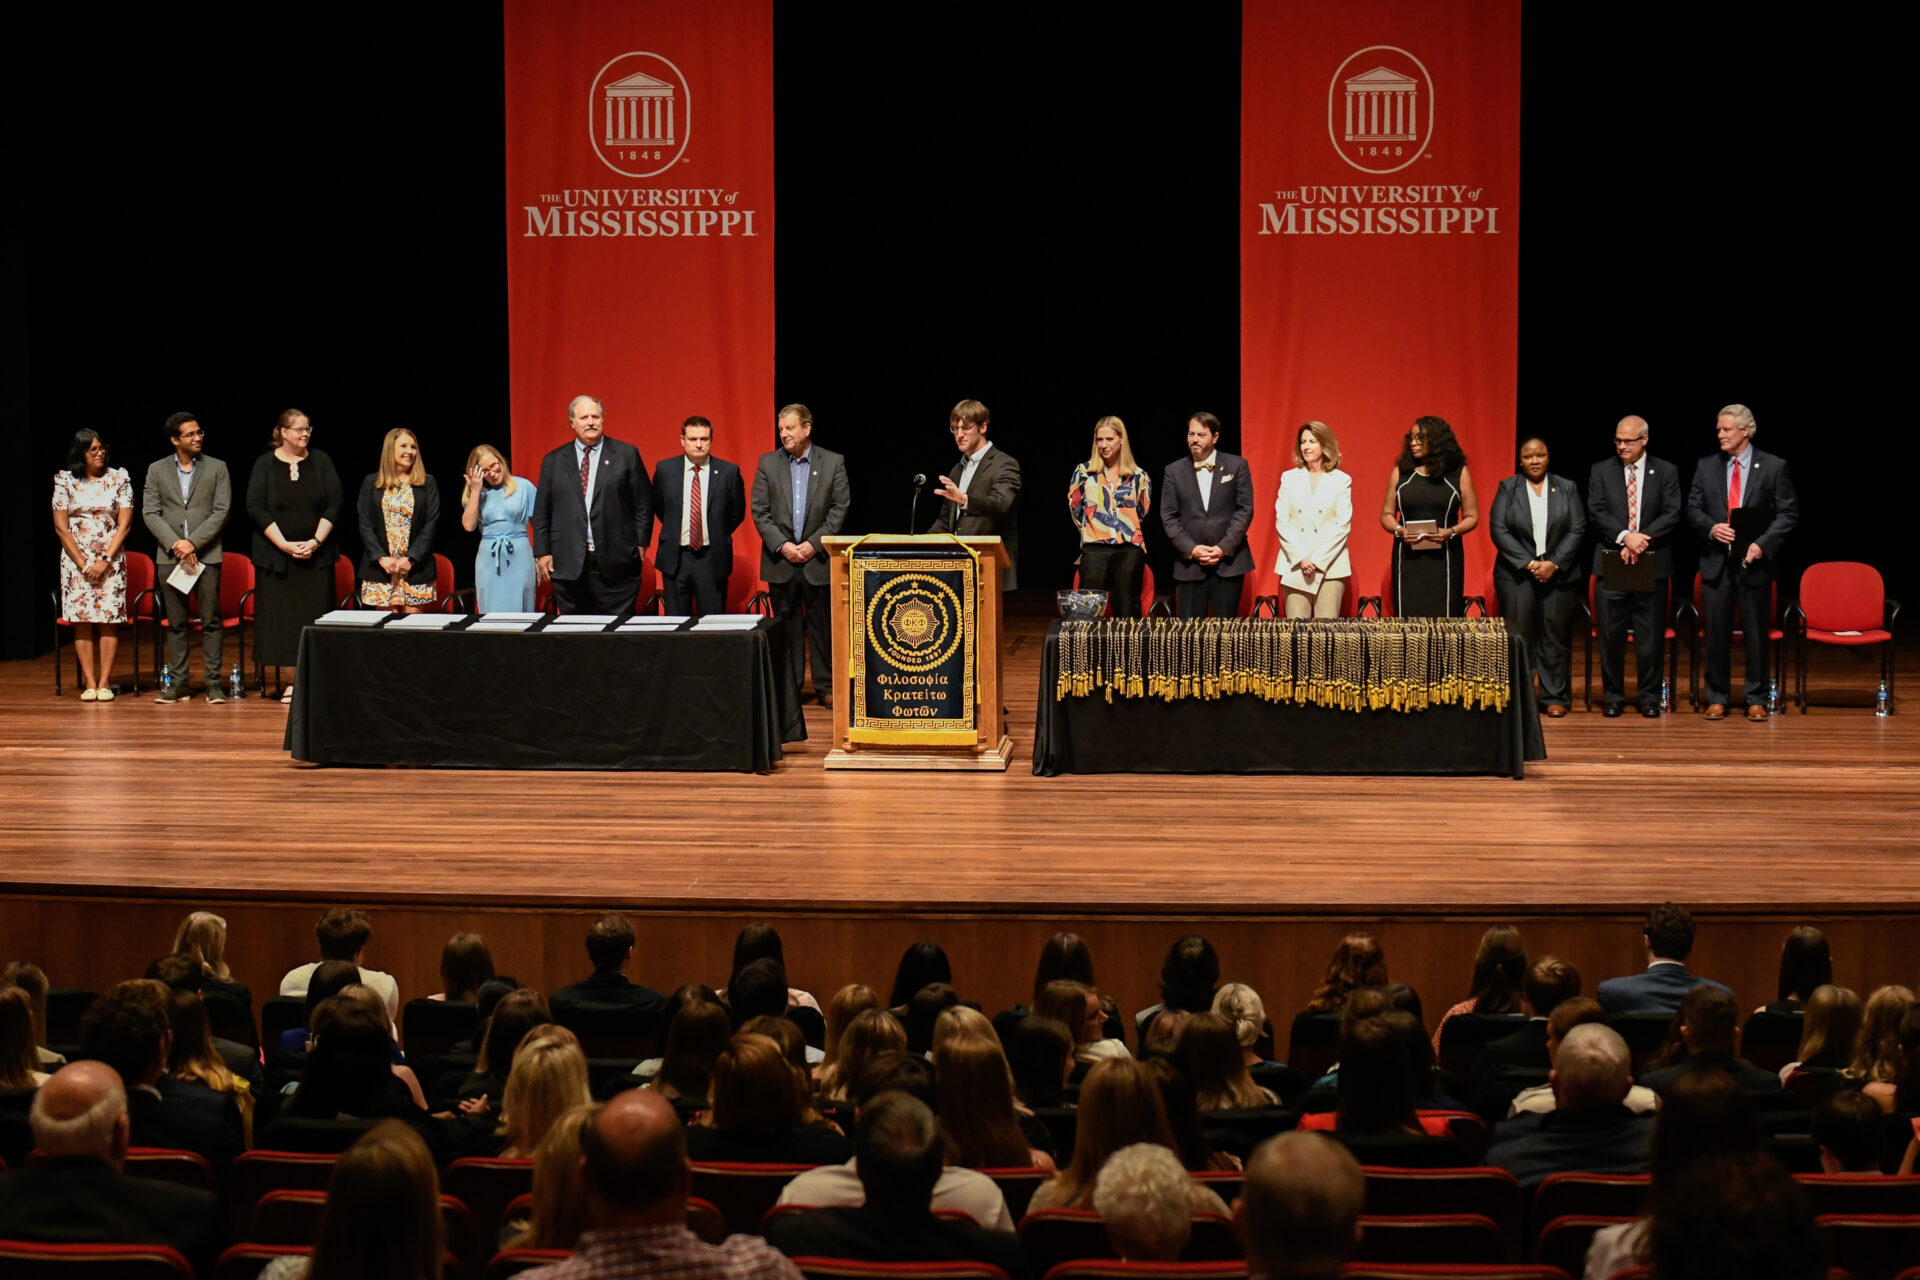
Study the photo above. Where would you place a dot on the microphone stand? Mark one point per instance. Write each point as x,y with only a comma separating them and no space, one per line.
913,514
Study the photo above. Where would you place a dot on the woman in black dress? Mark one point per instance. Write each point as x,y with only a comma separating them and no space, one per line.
1430,482
294,500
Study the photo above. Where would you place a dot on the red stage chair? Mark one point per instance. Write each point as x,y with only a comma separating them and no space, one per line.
1871,1246
1697,640
236,610
1017,1186
487,1186
1592,638
346,585
257,1173
1225,1183
142,606
443,593
1563,1241
742,1193
21,1260
1401,1192
849,1269
1437,1237
1843,602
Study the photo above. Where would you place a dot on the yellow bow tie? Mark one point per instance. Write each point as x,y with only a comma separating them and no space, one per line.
1203,466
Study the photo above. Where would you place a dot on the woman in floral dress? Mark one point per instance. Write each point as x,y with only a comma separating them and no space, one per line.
92,512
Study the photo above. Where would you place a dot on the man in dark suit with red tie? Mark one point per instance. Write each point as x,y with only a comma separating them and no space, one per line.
1633,507
1737,574
592,516
1206,507
702,500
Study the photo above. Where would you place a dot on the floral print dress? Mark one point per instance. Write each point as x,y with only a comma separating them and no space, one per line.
93,517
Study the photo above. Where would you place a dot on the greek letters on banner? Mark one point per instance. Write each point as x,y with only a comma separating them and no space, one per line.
913,648
639,223
1379,242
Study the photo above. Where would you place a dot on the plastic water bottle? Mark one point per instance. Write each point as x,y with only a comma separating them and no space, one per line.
166,678
1773,697
1883,702
235,688
1666,695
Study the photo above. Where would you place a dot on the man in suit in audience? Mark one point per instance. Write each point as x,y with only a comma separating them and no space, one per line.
800,496
78,1191
701,502
1206,507
980,494
343,934
1668,934
1514,1061
1590,1129
1298,1213
592,516
1633,508
1735,580
130,1029
185,502
610,941
900,1153
1708,1026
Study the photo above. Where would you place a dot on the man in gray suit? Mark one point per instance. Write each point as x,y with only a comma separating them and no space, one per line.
185,503
980,495
800,496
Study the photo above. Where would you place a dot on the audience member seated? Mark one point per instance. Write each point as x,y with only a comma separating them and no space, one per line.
30,979
1902,1093
559,1194
899,1156
382,1216
685,994
202,938
1189,977
1210,1056
1668,936
1876,1053
697,1035
547,1079
193,1058
923,1009
1357,962
129,1029
1591,1129
1576,1012
792,1041
1806,963
368,1001
1040,1055
870,1032
1119,1106
1161,1039
984,1131
514,1015
1827,1034
1197,1147
762,1112
1372,1002
1141,1196
1518,1058
759,989
77,1193
328,979
343,934
184,975
1499,970
634,1164
350,1077
1241,1005
19,1063
1298,1215
922,965
1077,1007
465,966
1065,957
1737,1216
610,942
1706,1115
848,1003
960,1190
1710,1041
1848,1130
761,941
1377,1114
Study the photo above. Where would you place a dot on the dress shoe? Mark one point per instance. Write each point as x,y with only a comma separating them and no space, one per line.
214,696
1757,713
1613,709
826,702
173,693
1555,710
1717,711
1650,712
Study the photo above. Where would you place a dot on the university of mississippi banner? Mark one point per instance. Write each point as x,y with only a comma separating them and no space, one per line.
1379,243
639,221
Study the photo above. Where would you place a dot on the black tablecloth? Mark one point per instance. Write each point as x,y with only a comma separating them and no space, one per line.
678,700
1243,734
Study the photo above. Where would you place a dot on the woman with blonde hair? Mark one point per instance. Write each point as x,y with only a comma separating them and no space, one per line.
559,1193
1119,1106
976,1101
193,1057
499,504
1313,513
202,938
1831,1024
871,1033
382,1217
847,1003
1078,1007
19,1055
963,1023
1876,1053
399,509
548,1078
1108,497
30,979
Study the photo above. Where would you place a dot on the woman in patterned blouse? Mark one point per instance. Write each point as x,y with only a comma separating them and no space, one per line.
1108,498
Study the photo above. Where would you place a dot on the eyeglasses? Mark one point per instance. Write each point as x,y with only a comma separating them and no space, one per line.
1620,440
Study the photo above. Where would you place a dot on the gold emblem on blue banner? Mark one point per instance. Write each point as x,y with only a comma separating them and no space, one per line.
913,671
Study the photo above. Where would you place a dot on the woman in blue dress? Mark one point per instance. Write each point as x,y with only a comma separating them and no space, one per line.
499,504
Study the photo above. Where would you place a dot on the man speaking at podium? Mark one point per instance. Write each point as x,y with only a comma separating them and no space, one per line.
980,496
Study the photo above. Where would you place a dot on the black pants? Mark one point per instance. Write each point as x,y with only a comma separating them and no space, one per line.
1211,594
1646,613
601,587
206,592
797,600
1117,569
1542,615
699,579
1719,602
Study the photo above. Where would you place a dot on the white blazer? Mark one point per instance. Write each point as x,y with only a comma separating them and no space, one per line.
1313,524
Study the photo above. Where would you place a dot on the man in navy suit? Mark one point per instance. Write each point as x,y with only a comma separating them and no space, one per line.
701,502
1633,507
1732,575
593,516
1669,939
1206,507
130,1028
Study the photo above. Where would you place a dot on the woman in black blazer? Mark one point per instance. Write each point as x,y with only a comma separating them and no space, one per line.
1538,522
399,510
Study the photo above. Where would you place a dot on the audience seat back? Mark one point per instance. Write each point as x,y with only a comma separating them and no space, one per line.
182,1168
228,1019
1450,1271
16,1133
1017,1186
435,1026
850,1269
1437,1237
21,1260
295,1217
1313,1043
487,1185
743,1192
1772,1040
1120,1269
1562,1241
1644,1033
1871,1246
1053,1236
1602,1195
1465,1034
1403,1192
278,1016
65,1007
255,1173
614,1031
1852,1194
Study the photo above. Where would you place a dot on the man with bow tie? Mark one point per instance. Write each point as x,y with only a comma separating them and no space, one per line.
1736,576
981,494
1206,507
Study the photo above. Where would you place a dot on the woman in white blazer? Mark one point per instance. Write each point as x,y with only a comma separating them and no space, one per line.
1314,515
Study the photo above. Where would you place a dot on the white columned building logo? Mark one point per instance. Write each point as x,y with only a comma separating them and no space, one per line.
639,114
1380,109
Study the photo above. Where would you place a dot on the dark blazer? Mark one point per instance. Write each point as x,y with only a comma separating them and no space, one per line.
187,1117
1603,1139
812,1145
871,1235
993,508
268,558
78,1200
1758,1083
1660,508
1511,523
622,513
1658,990
726,508
605,990
1525,1051
827,500
1769,487
373,532
203,515
1223,523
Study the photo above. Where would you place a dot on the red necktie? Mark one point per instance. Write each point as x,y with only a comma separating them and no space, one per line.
586,469
1633,503
693,514
1733,490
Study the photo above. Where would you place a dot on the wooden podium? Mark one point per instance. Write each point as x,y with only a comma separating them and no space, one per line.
987,746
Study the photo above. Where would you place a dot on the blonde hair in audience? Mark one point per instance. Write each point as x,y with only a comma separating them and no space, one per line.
29,978
1119,1106
19,1058
559,1194
871,1033
1211,1057
847,1003
383,1211
1240,1004
202,936
961,1023
1832,1021
548,1078
1073,1004
1876,1053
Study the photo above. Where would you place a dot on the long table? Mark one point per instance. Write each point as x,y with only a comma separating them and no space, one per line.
1245,734
686,700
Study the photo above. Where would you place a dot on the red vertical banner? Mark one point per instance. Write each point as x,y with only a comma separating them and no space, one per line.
639,221
1379,243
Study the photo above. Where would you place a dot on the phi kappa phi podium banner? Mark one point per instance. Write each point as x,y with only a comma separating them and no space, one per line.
639,220
1379,244
913,651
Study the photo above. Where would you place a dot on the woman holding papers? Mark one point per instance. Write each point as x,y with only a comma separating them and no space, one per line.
1313,515
1430,502
399,510
293,498
92,512
499,504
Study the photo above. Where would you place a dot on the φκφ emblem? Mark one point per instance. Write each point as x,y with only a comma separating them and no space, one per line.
914,622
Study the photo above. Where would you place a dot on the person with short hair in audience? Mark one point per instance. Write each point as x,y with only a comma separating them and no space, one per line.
1902,1093
1358,961
1668,934
202,938
921,965
610,942
1078,1009
761,1110
1828,1029
1568,1014
382,1217
899,1156
30,979
634,1163
514,1015
977,1104
1499,972
466,965
848,1003
761,941
1706,1023
923,1010
343,934
871,1033
1189,979
1119,1106
1298,1214
1848,1130
1806,963
193,1058
1876,1051
559,1194
1191,1142
1211,1058
547,1079
1590,1129
78,1192
130,1028
1523,1052
19,1061
1706,1115
1141,1196
1040,1055
1741,1217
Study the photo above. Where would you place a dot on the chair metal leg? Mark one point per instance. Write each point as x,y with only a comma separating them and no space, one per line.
56,662
1586,679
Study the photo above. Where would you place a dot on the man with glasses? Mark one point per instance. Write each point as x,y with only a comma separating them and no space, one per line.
1633,508
184,503
981,494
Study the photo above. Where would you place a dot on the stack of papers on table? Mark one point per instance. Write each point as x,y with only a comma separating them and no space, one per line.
652,622
504,621
728,622
573,622
352,618
426,621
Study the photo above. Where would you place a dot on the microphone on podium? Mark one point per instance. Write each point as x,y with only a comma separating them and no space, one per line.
919,487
